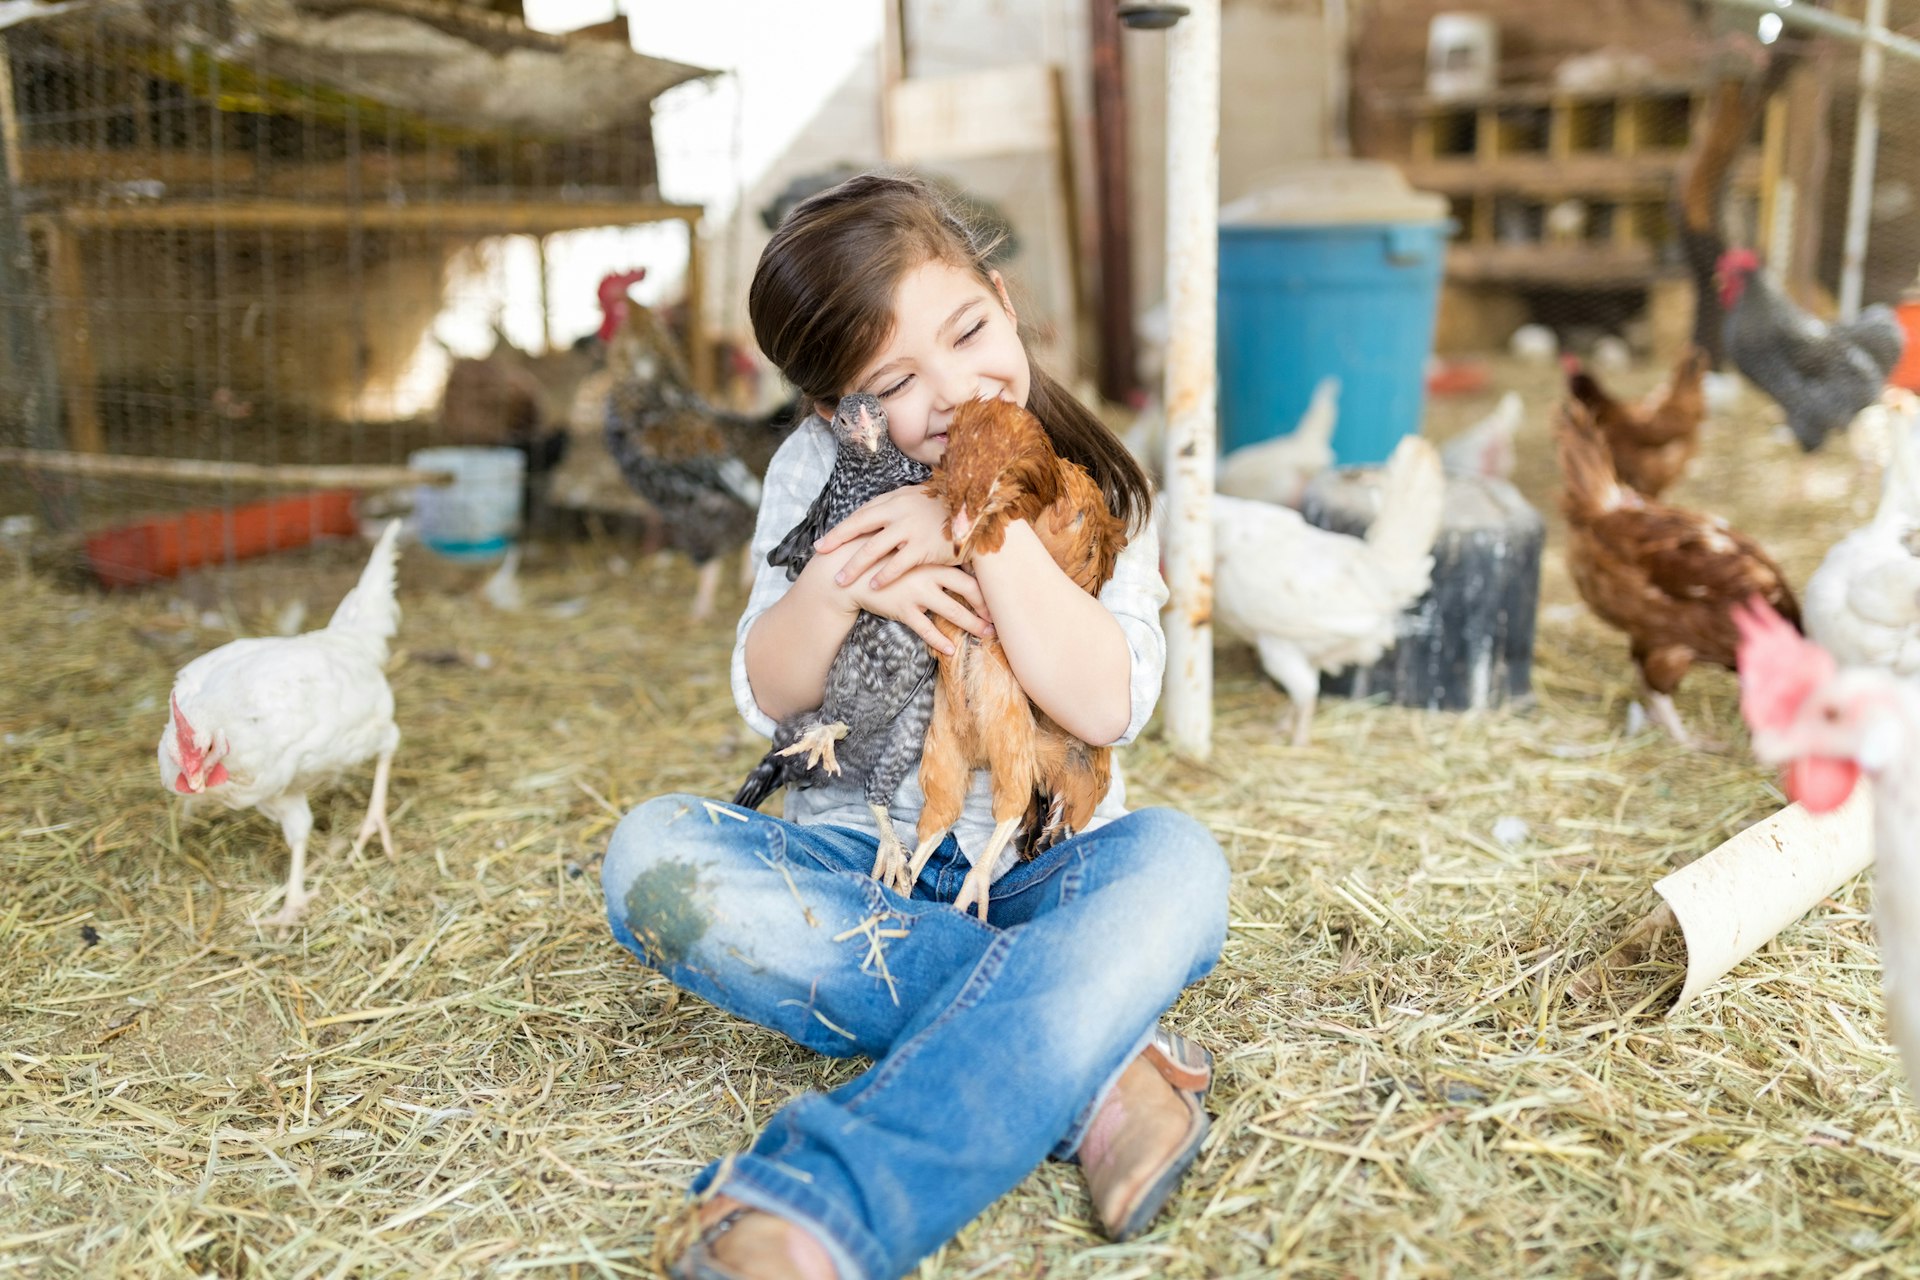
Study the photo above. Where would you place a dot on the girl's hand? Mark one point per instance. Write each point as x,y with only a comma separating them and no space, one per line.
903,529
920,595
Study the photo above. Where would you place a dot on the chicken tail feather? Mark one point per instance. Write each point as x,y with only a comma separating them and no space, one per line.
370,610
1413,494
762,781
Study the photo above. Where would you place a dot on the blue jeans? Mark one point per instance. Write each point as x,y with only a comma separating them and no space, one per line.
993,1042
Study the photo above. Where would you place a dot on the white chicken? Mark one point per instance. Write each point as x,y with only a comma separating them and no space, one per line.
1278,470
258,723
1863,603
1312,600
1829,726
1486,447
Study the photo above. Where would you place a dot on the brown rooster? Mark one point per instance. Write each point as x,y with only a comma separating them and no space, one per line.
1000,467
1668,578
1652,441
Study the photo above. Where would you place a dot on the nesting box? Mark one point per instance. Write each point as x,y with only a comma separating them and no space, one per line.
1467,643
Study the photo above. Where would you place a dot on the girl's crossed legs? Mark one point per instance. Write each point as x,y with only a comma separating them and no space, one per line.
993,1042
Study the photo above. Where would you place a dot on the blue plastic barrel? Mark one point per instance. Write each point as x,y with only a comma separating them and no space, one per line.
1353,296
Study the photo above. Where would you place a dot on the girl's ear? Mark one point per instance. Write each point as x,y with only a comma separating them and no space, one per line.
825,410
1006,303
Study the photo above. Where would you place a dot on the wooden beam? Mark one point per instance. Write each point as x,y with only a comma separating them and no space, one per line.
476,218
73,338
203,471
699,348
55,165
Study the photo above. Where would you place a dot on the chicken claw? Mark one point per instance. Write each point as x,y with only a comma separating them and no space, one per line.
890,862
975,889
1661,710
376,819
290,911
818,742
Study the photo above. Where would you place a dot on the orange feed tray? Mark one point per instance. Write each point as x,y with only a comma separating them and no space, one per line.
1907,373
168,546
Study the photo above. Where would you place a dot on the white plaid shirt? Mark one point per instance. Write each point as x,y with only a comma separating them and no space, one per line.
1134,596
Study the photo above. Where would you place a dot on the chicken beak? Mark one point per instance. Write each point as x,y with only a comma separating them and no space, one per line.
189,785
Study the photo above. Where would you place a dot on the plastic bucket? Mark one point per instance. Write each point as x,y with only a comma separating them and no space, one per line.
477,516
1352,301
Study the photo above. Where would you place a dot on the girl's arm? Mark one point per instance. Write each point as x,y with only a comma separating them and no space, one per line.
1069,653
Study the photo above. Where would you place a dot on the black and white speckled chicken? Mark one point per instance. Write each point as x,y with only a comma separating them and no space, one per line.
879,694
698,465
1823,375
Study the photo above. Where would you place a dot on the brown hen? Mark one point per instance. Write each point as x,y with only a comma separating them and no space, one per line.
1668,578
1001,467
1651,441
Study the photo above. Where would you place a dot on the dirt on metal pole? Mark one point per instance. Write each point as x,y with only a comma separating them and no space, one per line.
1193,278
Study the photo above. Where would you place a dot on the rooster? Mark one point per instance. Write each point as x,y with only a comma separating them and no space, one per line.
1278,470
1652,441
1665,576
1830,725
879,692
698,466
1822,375
1863,602
259,723
1000,467
1312,600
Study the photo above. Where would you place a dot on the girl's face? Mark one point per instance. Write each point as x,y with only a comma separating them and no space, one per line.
953,340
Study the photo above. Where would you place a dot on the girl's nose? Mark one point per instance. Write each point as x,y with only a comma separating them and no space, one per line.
953,387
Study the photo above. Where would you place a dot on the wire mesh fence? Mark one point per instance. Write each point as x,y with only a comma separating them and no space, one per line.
264,234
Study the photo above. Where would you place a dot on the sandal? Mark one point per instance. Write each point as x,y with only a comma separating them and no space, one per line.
698,1262
1133,1217
1181,1063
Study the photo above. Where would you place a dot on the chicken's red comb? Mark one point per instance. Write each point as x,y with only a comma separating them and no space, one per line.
615,284
613,299
182,733
1778,668
1742,260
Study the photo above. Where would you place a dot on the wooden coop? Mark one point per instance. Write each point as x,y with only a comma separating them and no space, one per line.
1564,176
229,225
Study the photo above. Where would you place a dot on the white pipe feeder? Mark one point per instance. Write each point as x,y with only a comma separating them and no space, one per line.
1193,278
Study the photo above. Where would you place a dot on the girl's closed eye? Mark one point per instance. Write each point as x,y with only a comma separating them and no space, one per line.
896,388
972,333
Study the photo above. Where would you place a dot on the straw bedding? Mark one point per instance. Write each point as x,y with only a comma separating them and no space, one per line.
452,1070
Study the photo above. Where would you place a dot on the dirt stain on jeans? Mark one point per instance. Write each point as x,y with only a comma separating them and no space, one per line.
664,911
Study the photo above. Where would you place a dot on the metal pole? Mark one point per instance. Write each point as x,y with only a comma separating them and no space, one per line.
1193,277
1808,18
1866,146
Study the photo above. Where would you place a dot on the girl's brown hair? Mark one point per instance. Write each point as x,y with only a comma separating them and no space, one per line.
822,303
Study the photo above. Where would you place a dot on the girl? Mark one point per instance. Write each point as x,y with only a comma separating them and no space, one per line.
994,1044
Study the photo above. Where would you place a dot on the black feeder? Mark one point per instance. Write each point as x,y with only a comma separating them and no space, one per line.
1467,644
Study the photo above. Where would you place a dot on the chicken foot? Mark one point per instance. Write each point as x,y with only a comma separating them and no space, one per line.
890,861
1290,669
295,817
705,591
817,744
1661,711
975,889
376,819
